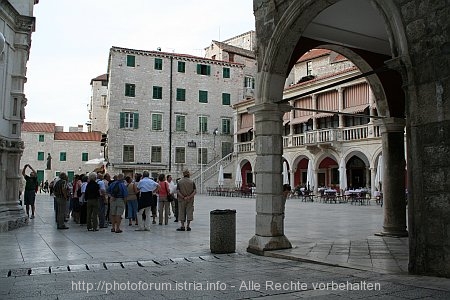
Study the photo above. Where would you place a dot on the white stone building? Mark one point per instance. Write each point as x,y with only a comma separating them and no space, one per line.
16,26
98,107
323,138
69,151
166,110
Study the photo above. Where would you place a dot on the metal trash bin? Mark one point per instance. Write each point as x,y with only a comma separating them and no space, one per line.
222,231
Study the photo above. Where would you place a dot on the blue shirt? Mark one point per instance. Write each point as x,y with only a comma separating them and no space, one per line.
123,189
147,185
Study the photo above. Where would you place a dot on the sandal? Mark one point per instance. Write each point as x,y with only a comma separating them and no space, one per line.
181,229
188,229
119,231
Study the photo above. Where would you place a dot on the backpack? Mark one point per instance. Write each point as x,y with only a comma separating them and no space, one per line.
116,190
58,188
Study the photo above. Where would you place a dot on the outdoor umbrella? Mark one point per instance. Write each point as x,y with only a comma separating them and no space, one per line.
311,183
285,173
379,175
342,175
220,180
238,179
95,161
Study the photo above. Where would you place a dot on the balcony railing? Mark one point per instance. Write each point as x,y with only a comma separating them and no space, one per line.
321,136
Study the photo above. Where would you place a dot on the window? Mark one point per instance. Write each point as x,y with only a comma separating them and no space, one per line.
157,92
180,123
181,94
15,106
181,67
202,156
226,99
84,156
158,64
156,154
62,156
128,153
203,69
103,102
131,61
130,89
14,129
40,155
180,155
231,57
308,68
203,96
202,124
226,72
129,120
226,126
41,138
227,148
156,121
249,82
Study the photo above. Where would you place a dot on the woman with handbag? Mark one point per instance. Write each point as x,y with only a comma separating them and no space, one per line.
163,203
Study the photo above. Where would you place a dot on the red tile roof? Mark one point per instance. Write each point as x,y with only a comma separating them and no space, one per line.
38,127
79,136
322,77
103,77
314,53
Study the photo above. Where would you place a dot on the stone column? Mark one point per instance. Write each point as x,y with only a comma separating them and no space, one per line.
393,185
373,173
268,168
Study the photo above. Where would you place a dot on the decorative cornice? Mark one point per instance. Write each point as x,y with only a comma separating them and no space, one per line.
11,145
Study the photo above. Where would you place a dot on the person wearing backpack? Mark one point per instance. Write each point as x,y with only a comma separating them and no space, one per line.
61,194
118,192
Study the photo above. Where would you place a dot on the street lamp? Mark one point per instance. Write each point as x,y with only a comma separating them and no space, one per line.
215,132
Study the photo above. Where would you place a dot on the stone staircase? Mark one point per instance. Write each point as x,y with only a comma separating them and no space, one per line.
211,171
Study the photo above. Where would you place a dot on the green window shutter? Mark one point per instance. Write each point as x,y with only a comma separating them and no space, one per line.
181,95
226,126
84,156
131,61
208,70
226,99
136,120
158,64
130,89
70,175
199,69
41,138
203,96
122,120
62,156
180,123
181,67
226,72
40,155
156,122
157,92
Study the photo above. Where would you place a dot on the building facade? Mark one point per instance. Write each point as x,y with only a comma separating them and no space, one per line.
50,150
16,26
98,106
168,112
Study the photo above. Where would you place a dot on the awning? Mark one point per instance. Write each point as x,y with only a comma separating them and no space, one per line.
244,130
323,115
285,122
302,119
356,109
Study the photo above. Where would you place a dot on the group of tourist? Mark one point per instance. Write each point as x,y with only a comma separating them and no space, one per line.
97,200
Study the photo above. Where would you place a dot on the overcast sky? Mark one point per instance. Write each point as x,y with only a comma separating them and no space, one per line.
72,40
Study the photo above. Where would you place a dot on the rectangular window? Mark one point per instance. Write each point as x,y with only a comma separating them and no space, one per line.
203,124
308,68
226,126
156,154
203,96
131,61
14,128
226,72
130,90
41,138
62,156
202,156
129,120
180,155
84,156
180,123
249,82
203,69
157,92
103,101
226,99
181,67
70,175
128,153
158,64
15,106
156,121
181,94
40,155
227,148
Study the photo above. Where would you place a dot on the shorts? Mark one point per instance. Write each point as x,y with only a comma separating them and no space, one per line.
117,207
29,197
